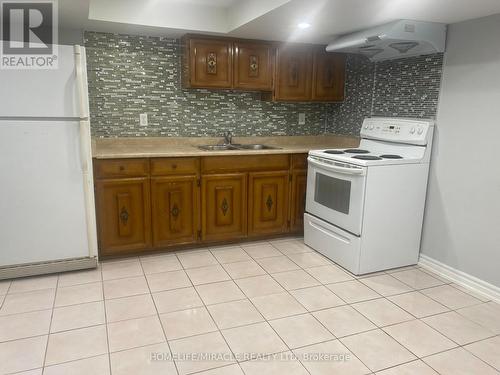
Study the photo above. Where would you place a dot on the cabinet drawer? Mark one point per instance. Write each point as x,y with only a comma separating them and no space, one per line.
173,166
241,163
299,161
121,168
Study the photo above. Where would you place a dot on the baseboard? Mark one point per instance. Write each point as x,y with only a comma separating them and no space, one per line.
47,267
476,285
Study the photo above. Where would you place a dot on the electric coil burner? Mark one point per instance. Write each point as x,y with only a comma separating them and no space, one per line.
391,156
367,157
333,152
356,151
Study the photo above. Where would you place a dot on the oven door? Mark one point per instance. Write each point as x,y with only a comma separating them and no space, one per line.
335,193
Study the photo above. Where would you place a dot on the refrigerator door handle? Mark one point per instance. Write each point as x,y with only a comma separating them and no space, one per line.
81,81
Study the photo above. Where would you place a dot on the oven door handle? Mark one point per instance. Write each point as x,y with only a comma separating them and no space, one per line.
336,168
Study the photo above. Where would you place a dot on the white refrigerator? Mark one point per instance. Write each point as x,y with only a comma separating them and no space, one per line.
47,212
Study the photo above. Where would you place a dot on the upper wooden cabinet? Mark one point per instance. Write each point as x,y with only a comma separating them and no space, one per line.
328,76
293,73
208,63
253,66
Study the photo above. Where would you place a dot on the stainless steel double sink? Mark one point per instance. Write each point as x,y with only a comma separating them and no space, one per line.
240,147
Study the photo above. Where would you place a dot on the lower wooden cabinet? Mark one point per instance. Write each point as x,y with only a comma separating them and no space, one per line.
268,203
224,206
175,210
123,214
298,200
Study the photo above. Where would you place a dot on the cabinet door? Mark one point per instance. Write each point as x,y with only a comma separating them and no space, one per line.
253,66
294,73
175,210
298,200
268,202
328,76
124,215
210,63
224,206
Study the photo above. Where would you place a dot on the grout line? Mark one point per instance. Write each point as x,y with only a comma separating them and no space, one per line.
106,322
50,326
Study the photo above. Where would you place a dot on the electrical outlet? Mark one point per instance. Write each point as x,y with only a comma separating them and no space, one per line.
143,119
302,118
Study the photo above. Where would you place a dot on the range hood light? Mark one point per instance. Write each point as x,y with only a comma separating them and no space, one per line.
370,52
403,47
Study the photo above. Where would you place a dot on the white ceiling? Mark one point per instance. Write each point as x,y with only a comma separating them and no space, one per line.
261,19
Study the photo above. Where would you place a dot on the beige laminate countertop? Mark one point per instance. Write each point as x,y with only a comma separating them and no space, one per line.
150,147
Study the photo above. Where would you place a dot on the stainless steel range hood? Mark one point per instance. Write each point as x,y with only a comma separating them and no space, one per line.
393,40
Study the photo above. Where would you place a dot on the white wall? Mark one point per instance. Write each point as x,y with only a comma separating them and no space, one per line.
462,221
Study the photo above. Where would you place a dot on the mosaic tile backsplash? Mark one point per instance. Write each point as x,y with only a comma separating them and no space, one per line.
129,75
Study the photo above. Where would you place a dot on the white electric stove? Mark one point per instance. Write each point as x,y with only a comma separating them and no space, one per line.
365,206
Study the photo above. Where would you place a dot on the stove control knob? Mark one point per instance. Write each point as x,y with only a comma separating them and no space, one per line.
366,126
420,130
372,127
412,130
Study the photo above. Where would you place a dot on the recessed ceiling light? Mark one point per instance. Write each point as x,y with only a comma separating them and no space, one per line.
304,25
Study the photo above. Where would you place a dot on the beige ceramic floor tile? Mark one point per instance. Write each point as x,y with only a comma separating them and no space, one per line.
386,285
133,333
274,367
140,361
301,330
19,326
205,275
295,279
178,299
317,298
193,259
382,312
31,372
160,263
83,293
21,355
343,321
210,343
126,287
30,301
226,370
239,270
486,314
29,284
76,344
77,316
119,269
279,305
473,293
259,286
342,360
254,339
458,362
417,279
329,274
450,297
130,308
419,338
292,247
353,291
261,250
184,323
411,368
456,327
488,350
377,350
418,304
277,264
80,277
308,260
95,365
168,280
234,314
219,292
4,286
230,254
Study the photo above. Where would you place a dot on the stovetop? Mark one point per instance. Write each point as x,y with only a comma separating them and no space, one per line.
364,156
